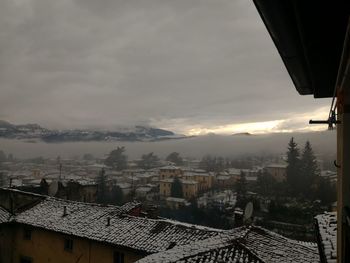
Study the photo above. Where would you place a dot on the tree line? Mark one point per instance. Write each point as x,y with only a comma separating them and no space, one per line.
303,180
118,160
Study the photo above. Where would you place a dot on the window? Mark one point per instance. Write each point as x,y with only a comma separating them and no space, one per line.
68,245
25,260
118,257
27,233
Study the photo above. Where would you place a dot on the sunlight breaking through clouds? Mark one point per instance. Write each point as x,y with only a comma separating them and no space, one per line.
293,123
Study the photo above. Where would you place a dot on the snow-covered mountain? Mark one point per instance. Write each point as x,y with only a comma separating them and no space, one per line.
35,131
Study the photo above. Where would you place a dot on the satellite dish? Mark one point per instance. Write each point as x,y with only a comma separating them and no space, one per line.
53,188
248,212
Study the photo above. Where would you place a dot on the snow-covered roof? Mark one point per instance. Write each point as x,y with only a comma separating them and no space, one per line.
188,181
198,174
124,185
176,199
223,177
143,189
4,215
246,244
276,165
172,241
89,221
326,226
169,167
167,180
145,175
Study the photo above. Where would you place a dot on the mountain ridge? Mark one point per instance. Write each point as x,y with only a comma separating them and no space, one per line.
34,131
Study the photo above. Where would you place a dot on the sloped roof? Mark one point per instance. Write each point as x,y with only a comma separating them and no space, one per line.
90,221
252,244
171,241
272,247
220,248
4,215
326,228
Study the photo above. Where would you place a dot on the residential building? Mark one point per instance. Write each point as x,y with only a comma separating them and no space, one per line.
244,244
225,181
47,229
205,180
170,172
189,188
278,171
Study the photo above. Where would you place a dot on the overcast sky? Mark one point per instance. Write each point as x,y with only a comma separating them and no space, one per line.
192,66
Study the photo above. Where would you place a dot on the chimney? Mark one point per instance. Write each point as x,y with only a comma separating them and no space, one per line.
64,211
108,221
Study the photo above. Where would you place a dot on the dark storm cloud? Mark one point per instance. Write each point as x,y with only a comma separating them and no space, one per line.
174,64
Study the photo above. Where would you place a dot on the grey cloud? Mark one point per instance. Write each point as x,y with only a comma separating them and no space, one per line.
173,63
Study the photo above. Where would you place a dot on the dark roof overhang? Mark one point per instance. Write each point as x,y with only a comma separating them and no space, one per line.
309,35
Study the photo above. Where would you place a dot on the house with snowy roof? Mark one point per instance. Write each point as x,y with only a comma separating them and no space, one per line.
47,229
245,244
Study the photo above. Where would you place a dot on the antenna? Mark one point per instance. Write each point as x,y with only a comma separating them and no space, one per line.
60,168
64,211
248,212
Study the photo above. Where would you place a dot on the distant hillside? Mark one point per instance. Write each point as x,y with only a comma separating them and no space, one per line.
35,131
242,134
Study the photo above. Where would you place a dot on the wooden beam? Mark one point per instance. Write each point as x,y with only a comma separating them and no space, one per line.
343,155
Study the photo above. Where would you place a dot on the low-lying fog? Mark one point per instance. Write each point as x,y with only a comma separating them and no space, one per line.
220,145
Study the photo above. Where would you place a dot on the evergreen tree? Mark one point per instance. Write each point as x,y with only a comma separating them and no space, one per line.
309,170
266,184
117,196
212,164
176,188
2,179
149,161
102,191
175,157
293,168
117,159
241,190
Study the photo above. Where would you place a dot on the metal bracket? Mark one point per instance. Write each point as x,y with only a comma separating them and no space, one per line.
332,120
335,164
